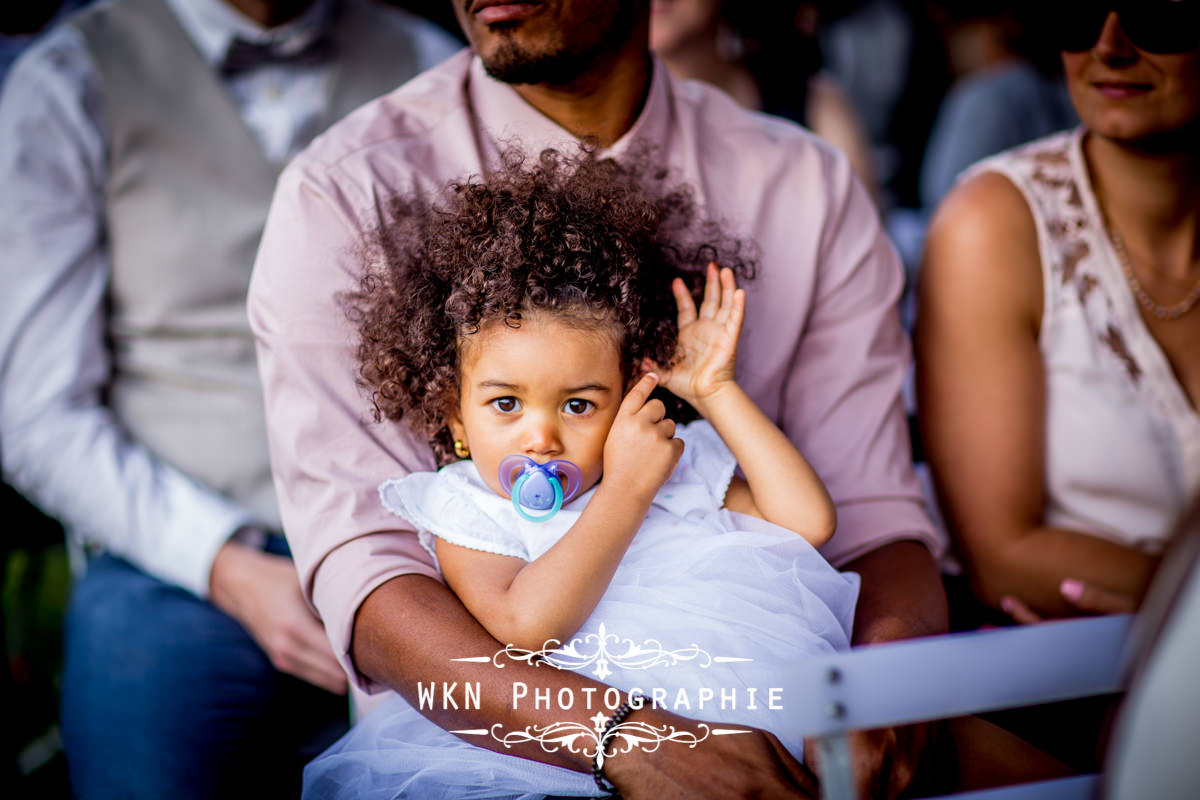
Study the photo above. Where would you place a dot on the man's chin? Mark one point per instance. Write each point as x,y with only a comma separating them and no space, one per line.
513,72
510,63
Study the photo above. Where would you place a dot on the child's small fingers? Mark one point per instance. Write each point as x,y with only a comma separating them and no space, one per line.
653,411
637,396
683,301
712,293
678,446
737,312
728,288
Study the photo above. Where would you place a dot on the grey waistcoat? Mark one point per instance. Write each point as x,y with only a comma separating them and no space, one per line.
186,200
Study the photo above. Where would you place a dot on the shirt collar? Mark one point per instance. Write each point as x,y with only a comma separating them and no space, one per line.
503,117
213,24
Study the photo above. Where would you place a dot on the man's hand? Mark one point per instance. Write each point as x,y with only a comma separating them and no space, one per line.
752,764
901,598
262,592
884,759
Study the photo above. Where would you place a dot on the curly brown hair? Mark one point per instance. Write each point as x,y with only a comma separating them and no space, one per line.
570,234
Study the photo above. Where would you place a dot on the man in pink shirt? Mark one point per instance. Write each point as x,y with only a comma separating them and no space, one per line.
824,355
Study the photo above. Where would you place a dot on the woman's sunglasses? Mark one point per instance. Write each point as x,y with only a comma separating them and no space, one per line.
1156,26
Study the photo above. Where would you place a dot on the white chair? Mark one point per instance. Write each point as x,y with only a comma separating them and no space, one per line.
958,674
1154,751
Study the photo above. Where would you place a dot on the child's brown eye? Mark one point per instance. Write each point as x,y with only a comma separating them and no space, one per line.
506,405
578,406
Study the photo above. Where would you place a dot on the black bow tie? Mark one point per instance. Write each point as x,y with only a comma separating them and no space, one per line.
243,56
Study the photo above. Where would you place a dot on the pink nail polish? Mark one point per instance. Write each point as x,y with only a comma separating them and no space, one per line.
1071,589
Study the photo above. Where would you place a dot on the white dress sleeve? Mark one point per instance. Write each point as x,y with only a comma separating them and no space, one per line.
454,505
702,476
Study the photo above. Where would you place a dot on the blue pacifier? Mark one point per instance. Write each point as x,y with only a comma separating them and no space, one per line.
539,486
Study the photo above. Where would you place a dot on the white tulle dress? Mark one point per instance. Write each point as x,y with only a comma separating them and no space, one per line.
706,606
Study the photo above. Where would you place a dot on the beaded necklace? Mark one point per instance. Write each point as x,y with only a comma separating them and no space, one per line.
1161,312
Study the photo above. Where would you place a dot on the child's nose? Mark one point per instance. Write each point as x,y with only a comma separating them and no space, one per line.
541,438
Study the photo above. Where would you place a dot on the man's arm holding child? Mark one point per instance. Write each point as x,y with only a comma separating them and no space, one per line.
407,629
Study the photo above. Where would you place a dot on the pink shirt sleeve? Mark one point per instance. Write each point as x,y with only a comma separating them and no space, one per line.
842,400
327,452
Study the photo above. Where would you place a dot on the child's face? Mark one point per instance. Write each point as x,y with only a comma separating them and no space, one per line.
547,390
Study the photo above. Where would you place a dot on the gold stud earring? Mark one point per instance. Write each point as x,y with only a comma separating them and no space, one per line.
461,450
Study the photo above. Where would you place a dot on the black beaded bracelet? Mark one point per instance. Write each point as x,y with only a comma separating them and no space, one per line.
620,715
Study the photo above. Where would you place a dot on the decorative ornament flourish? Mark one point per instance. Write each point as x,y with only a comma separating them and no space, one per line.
602,649
579,738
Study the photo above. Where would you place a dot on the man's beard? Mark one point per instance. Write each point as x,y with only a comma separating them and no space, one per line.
512,63
558,64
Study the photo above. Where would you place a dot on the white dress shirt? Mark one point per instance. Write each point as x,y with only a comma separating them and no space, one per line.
59,444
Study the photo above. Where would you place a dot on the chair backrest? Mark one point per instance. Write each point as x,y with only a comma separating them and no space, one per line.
1155,747
957,674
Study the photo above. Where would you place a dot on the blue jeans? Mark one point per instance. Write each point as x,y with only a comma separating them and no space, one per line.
165,696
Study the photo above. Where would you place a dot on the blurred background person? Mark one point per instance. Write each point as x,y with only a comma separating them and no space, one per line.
889,58
1058,303
983,77
140,142
1008,88
20,23
1058,373
33,567
766,56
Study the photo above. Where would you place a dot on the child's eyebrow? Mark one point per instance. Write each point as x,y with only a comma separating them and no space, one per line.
495,384
588,387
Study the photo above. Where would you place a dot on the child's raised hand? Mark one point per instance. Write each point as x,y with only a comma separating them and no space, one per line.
641,450
708,339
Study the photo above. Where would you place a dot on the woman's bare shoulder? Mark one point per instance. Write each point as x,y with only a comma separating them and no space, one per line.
986,207
982,245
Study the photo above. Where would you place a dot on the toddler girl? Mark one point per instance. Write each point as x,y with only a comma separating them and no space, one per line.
527,325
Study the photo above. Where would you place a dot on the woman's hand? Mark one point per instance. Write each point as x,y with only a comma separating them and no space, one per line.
641,450
1086,598
708,339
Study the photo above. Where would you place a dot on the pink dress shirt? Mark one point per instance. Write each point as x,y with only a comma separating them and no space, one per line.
822,352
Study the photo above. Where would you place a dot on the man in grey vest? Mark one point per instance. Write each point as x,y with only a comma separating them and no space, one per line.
139,147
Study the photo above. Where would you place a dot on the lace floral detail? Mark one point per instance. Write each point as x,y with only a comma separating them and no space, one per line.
1073,233
1062,228
1067,222
1057,157
1085,284
1073,198
1075,252
1113,339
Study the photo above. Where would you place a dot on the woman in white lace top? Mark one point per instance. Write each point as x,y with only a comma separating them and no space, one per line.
1058,367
